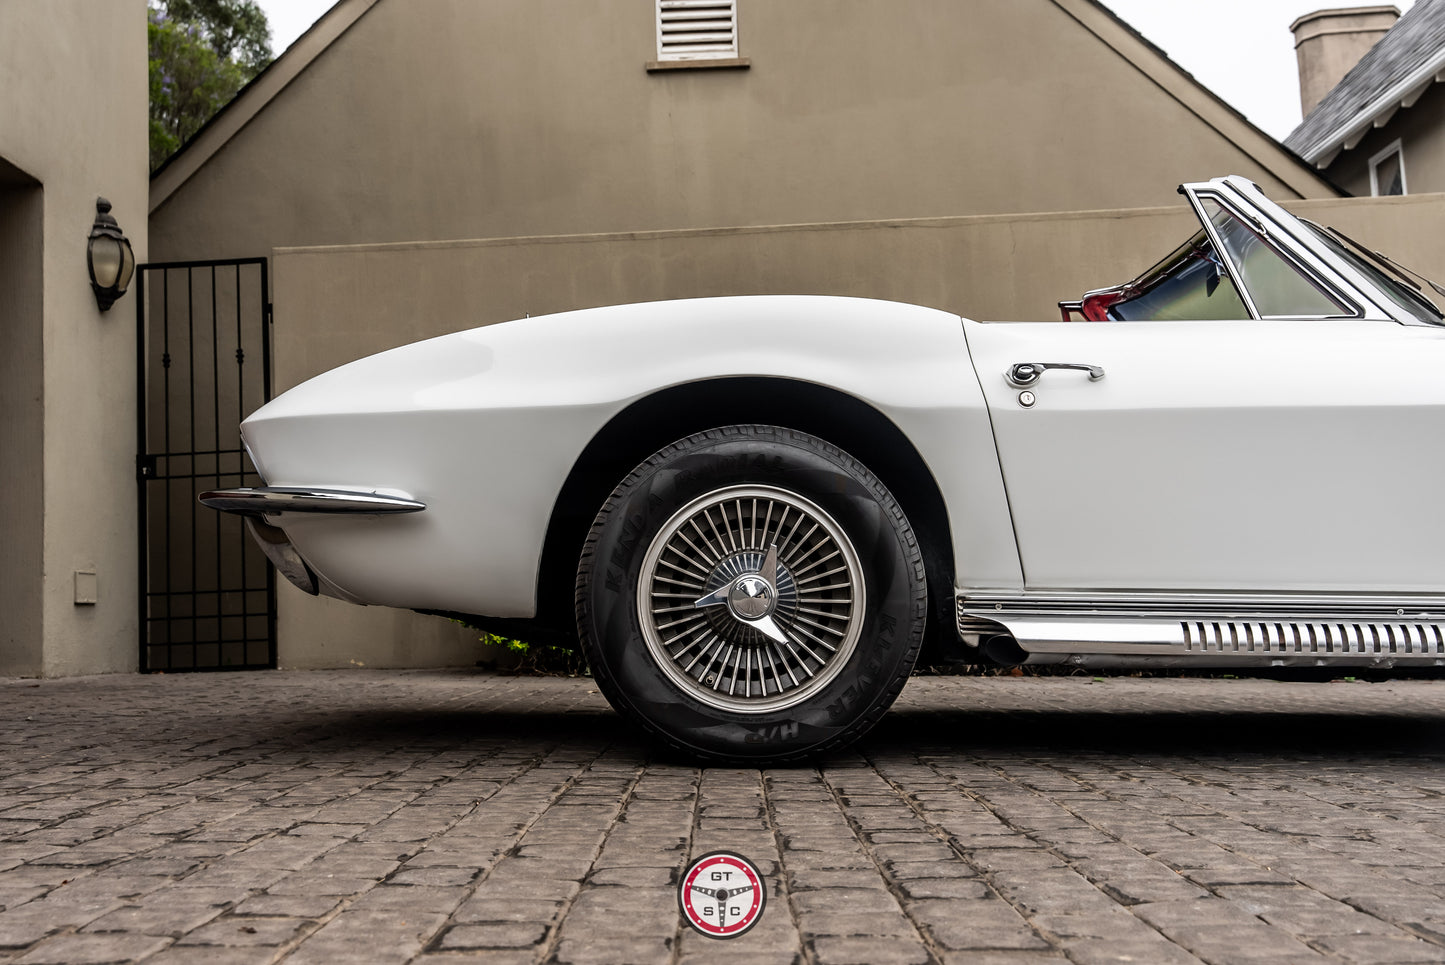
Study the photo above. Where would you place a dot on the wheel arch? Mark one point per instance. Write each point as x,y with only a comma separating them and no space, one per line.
663,417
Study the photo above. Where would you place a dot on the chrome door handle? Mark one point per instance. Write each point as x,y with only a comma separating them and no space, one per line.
1021,374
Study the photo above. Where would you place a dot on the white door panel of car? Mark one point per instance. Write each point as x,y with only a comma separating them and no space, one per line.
1253,455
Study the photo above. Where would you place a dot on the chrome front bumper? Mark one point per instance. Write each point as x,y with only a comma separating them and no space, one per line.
262,505
277,500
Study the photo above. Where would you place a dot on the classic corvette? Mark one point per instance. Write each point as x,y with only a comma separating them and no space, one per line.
752,535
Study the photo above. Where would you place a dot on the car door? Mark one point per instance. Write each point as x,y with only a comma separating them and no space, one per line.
1250,455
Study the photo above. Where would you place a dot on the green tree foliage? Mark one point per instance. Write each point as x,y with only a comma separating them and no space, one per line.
202,52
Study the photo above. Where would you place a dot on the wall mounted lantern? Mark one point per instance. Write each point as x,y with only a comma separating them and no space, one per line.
110,257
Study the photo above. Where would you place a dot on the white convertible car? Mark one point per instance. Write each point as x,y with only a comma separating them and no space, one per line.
753,534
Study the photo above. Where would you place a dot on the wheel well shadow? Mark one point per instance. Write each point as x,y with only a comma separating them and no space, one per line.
666,416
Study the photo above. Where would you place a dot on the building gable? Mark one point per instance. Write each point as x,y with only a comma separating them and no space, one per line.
512,118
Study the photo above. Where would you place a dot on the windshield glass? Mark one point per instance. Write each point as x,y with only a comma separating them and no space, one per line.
1403,292
1278,287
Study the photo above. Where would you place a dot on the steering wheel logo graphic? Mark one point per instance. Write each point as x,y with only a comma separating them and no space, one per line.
722,895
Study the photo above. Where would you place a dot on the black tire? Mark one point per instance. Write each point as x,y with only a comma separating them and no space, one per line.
747,665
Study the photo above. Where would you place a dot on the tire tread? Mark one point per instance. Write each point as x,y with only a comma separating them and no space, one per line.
761,433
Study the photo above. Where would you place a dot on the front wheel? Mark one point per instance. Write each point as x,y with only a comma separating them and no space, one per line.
751,593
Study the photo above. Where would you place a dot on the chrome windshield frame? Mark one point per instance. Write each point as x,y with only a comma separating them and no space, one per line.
1299,249
1288,233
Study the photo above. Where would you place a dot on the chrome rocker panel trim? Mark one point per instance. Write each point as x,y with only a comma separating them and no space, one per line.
276,500
1239,630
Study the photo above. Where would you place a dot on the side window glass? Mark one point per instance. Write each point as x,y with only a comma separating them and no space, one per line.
1195,288
1276,286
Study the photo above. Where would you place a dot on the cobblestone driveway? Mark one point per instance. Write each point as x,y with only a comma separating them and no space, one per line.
445,817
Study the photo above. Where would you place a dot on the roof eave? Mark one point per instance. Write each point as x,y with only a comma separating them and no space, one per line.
253,98
1322,150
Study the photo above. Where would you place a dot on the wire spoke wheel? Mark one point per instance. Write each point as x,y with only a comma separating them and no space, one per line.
751,593
750,598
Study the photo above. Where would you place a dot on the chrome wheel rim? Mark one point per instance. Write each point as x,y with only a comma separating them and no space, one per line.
751,599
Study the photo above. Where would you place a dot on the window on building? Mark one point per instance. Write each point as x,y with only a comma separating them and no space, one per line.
1387,171
697,30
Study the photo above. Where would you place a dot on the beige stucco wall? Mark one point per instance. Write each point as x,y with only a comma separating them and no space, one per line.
73,111
462,119
336,304
1422,141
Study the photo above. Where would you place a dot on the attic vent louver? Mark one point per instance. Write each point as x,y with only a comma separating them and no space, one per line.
697,29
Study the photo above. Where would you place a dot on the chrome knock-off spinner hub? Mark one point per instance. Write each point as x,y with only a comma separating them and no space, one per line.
751,598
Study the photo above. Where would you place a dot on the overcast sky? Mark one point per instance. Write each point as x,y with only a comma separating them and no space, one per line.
1240,49
290,18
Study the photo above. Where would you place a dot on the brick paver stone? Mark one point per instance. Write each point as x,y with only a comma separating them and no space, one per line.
452,816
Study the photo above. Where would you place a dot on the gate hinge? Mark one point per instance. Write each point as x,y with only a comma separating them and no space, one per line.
145,467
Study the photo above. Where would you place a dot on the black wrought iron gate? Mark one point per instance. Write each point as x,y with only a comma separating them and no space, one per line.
203,362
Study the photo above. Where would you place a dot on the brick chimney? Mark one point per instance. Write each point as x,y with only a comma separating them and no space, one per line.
1328,43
